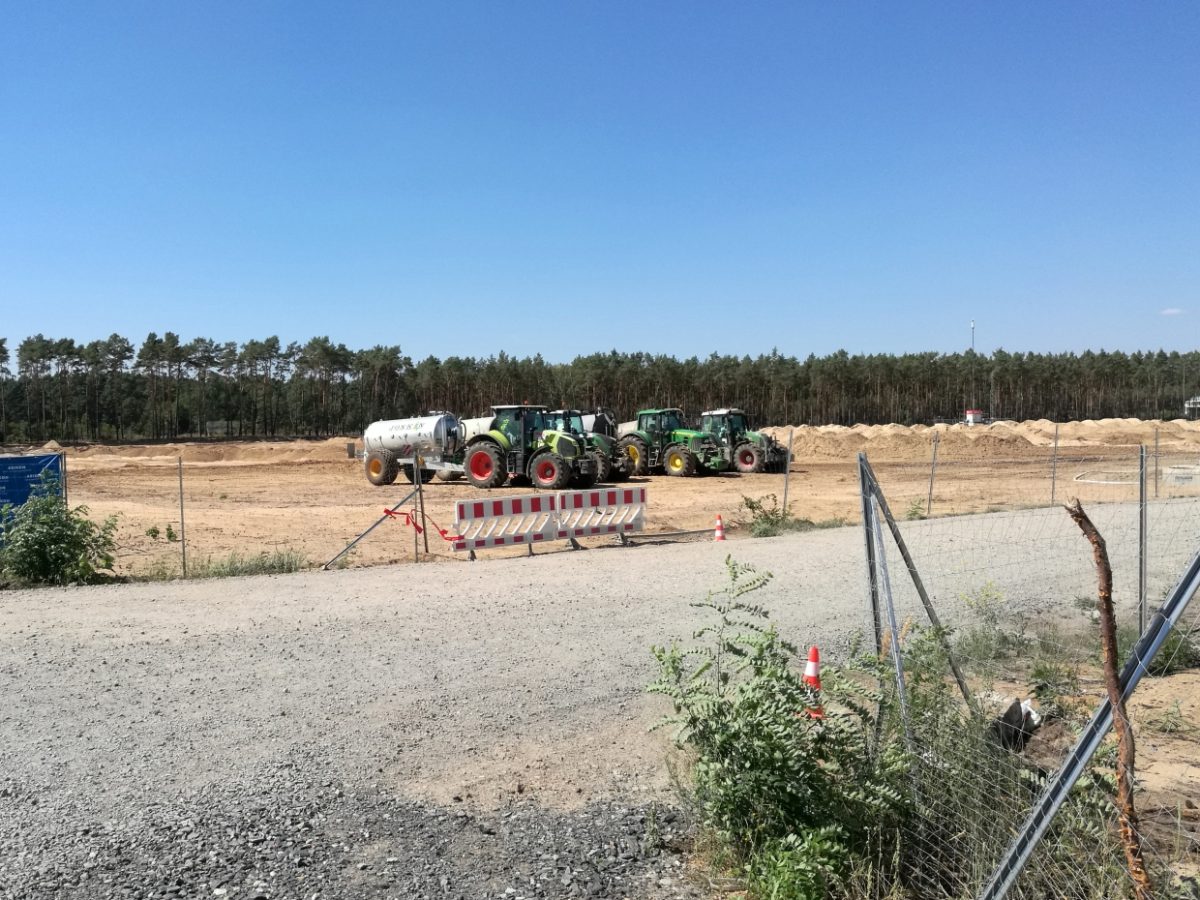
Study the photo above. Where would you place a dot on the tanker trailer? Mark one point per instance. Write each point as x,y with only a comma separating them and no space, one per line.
393,446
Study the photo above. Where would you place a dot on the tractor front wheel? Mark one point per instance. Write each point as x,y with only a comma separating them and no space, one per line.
485,466
381,467
634,449
679,461
549,472
748,459
602,464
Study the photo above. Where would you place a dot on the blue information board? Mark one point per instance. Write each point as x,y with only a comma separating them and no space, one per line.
19,475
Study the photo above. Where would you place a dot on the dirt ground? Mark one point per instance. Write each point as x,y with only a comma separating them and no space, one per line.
310,497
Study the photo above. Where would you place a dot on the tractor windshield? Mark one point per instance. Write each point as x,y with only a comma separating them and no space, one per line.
671,420
737,424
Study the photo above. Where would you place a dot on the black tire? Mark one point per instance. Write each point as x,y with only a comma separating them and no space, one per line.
679,461
636,454
748,459
426,475
582,482
447,475
381,467
549,472
485,466
603,466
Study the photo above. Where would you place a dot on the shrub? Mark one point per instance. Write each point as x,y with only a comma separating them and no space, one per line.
765,772
44,541
767,519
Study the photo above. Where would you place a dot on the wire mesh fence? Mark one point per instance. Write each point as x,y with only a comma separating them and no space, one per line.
1016,593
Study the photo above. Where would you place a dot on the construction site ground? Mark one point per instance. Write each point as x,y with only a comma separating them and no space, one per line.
308,496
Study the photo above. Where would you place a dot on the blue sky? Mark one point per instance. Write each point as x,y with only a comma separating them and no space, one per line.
566,178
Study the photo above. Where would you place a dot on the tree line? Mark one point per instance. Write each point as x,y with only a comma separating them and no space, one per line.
166,388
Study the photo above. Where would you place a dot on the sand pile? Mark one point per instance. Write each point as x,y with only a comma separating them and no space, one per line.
999,440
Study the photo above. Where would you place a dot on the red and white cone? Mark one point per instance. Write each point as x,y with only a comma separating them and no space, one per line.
812,677
720,532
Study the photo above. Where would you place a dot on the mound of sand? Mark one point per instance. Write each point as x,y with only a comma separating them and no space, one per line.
999,440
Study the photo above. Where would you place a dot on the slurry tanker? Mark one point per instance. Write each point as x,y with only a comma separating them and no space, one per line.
514,441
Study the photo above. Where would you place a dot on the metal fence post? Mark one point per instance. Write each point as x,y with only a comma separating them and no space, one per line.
864,480
1141,538
182,530
1156,462
893,625
787,471
1054,465
932,471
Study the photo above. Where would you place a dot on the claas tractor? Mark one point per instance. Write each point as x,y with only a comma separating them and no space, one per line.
611,464
523,443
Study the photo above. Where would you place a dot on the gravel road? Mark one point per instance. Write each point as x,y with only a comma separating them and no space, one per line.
444,730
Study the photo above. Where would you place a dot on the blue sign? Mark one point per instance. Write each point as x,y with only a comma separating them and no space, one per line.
19,475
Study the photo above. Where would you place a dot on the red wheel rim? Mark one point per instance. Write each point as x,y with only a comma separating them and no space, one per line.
481,464
747,457
545,471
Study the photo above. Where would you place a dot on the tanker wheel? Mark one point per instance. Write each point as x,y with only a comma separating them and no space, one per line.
381,467
679,461
447,475
634,449
549,472
411,475
603,466
748,459
485,466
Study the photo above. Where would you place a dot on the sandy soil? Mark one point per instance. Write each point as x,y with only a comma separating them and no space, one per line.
308,496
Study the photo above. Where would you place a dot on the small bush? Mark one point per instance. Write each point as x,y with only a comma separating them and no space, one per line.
915,511
1178,652
153,533
276,562
44,541
767,519
171,535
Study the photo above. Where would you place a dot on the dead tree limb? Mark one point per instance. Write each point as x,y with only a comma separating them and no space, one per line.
1130,838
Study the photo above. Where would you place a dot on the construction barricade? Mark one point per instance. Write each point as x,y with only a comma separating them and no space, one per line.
601,511
531,519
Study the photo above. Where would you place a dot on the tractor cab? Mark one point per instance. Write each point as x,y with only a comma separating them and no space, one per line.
726,424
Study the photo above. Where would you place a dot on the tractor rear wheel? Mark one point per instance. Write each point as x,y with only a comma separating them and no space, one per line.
485,466
748,459
679,461
549,472
634,449
603,466
381,467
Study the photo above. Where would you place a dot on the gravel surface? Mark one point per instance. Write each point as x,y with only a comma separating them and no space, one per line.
440,730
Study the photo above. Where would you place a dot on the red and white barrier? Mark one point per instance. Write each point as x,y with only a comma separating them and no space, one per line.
505,521
534,518
601,511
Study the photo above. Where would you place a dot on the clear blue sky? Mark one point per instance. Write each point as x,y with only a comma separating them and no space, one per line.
566,178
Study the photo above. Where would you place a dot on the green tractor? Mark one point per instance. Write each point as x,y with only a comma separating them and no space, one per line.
521,442
611,463
659,440
752,451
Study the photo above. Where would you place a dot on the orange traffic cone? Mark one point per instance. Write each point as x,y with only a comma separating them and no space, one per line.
812,677
720,533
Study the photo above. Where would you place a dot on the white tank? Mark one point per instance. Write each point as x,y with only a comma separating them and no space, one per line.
441,435
473,427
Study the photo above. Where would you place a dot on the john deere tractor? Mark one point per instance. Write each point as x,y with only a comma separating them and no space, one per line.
659,440
522,443
611,463
752,451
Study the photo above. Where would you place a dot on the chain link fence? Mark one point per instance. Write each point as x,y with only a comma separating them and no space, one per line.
1015,591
